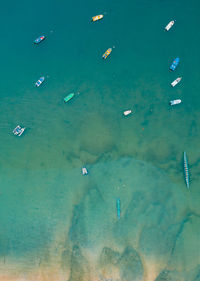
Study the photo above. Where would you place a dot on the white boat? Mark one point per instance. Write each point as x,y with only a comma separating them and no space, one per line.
18,131
170,24
84,171
127,112
174,102
175,82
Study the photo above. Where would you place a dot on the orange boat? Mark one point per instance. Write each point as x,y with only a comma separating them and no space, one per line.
107,53
98,17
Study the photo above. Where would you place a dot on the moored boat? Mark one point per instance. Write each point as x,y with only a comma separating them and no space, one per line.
18,131
174,102
127,112
69,97
118,208
39,39
96,18
174,64
175,82
39,81
169,25
84,171
107,53
186,170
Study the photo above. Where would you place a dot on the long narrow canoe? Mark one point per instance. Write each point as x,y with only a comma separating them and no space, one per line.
186,170
118,208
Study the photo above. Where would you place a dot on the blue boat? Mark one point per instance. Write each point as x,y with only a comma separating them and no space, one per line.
118,208
39,39
174,64
39,81
186,170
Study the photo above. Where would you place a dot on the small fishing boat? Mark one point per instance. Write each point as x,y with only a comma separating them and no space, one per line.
84,171
127,112
169,25
174,64
175,82
107,53
39,81
96,18
39,39
174,102
186,170
118,208
69,97
18,131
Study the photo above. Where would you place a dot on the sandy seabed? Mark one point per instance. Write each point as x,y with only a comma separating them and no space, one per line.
54,272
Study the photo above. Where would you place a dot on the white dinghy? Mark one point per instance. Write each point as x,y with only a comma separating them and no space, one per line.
127,112
175,82
169,26
174,102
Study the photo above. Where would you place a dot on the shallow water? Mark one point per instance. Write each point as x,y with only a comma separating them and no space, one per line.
57,224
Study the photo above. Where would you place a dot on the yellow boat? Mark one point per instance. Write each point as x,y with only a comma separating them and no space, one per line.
107,53
98,17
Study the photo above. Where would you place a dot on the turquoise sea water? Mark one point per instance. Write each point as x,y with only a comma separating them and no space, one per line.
50,213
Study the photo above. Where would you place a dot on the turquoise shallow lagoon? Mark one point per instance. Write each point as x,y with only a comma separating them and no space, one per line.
56,224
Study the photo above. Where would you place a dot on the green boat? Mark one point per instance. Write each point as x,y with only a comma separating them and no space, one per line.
69,97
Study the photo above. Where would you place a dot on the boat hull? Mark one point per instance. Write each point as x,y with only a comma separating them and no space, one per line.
174,64
18,131
127,112
107,53
174,102
175,82
169,26
39,82
69,97
118,208
96,18
186,170
84,171
39,39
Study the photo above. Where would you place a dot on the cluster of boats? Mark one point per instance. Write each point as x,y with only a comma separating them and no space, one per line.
173,66
174,102
37,41
176,81
108,52
18,131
